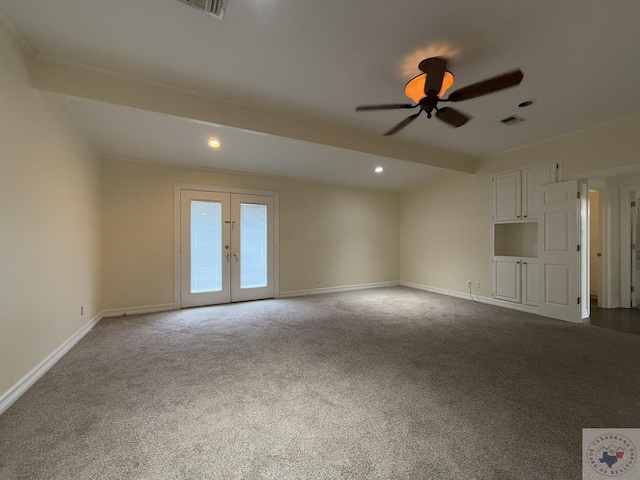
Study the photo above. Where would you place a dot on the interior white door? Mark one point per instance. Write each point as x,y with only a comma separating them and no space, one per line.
204,248
558,258
227,247
595,248
635,253
252,235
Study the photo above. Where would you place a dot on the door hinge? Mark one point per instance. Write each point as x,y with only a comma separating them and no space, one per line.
578,195
578,247
578,300
632,288
633,204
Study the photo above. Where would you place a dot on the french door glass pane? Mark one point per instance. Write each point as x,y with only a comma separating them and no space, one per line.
206,246
253,245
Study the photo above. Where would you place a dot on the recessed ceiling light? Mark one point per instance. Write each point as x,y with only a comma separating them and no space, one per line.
379,170
213,142
526,103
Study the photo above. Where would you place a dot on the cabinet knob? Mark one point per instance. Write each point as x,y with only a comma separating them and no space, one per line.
518,216
524,216
524,263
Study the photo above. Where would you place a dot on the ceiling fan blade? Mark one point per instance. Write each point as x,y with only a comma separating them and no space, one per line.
391,106
402,124
434,67
452,116
510,79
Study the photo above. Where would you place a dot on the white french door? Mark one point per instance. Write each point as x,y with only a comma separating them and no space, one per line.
252,236
226,247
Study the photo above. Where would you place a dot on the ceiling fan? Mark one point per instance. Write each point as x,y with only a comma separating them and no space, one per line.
428,88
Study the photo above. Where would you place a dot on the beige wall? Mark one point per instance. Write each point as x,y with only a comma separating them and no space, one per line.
50,222
346,235
445,226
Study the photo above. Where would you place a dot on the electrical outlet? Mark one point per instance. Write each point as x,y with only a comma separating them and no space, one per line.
317,278
478,285
468,283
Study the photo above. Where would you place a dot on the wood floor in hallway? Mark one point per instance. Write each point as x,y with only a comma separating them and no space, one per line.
625,320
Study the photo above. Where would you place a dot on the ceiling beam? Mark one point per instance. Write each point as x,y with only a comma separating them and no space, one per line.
56,77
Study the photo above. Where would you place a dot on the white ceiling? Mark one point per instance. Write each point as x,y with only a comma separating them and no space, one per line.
127,133
318,60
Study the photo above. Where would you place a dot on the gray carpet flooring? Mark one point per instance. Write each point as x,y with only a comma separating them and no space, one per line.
387,383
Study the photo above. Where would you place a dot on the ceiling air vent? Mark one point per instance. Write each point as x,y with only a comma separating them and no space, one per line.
512,120
212,7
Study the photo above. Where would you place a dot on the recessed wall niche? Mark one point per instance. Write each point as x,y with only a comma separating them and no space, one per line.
516,239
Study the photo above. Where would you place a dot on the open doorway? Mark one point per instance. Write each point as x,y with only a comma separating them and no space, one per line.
609,218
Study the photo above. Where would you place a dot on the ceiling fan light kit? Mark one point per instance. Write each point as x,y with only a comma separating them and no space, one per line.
428,88
414,89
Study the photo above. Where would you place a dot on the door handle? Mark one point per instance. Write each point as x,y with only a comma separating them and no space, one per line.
235,254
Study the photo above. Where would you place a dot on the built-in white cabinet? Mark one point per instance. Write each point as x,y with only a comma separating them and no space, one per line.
507,279
507,197
514,221
515,279
529,267
514,195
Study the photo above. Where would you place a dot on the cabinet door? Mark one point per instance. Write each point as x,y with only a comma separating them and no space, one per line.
532,179
507,196
507,279
530,283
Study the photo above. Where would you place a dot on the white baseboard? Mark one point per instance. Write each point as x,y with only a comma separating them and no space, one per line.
118,312
344,288
9,397
442,291
465,296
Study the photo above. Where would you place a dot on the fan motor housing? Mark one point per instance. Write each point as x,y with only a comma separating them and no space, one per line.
429,102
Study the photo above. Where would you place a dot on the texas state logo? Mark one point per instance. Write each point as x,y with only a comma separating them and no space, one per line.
610,454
